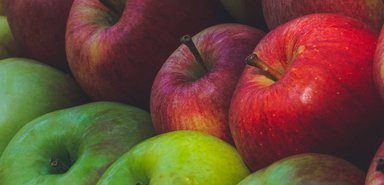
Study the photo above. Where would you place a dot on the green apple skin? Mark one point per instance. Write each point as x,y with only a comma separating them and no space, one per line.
73,146
307,169
29,89
178,158
8,46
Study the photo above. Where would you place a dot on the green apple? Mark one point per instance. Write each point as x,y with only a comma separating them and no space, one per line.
178,158
305,169
73,146
8,46
29,89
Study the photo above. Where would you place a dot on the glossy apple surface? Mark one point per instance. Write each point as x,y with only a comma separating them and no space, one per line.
316,95
74,145
305,169
8,46
115,50
38,27
248,12
277,12
29,89
178,158
186,96
375,174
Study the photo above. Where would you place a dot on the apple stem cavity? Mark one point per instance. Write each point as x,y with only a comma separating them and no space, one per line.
380,165
116,12
187,40
255,61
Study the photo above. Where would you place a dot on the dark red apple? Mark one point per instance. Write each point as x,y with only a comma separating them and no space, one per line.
277,12
312,90
38,27
115,49
187,95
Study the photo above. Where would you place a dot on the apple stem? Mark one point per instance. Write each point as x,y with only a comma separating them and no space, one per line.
255,61
187,40
380,165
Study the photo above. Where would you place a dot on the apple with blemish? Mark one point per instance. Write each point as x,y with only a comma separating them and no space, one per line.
375,174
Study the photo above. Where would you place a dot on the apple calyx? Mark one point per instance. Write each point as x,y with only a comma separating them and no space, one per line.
380,165
115,10
255,61
187,40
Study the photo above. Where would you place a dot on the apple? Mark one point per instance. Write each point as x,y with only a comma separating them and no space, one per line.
248,12
38,27
29,89
178,158
187,95
375,174
277,12
307,168
309,88
378,64
8,46
74,145
115,50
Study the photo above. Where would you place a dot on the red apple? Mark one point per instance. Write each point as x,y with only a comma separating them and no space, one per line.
378,64
38,27
115,50
277,12
375,175
187,95
312,91
248,12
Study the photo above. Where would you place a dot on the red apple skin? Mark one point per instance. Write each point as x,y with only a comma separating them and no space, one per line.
277,12
38,27
325,102
378,64
118,62
376,176
185,97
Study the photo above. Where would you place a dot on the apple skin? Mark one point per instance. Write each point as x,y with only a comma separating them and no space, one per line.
8,46
248,12
30,89
117,58
186,97
178,158
378,64
38,27
84,140
375,174
325,101
307,168
277,12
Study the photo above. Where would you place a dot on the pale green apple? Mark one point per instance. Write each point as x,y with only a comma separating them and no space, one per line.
8,46
73,146
307,169
29,89
178,158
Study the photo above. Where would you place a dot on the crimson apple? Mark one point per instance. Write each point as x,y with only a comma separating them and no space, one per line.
375,174
187,95
312,90
38,27
115,50
277,12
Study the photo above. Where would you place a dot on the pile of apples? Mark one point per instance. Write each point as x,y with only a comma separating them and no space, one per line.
191,92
